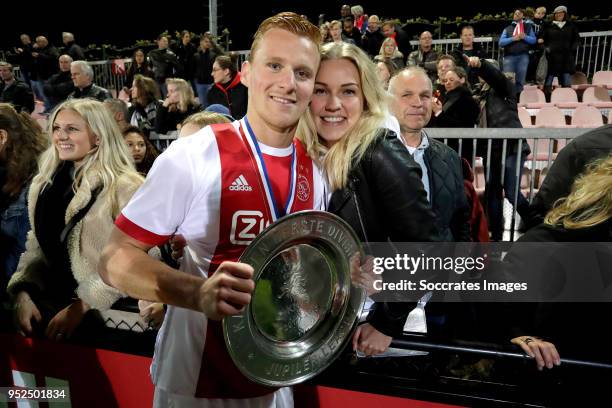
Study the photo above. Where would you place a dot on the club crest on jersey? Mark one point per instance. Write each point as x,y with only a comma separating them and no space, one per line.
240,184
302,188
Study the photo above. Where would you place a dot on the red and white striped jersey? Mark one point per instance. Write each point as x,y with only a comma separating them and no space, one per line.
218,188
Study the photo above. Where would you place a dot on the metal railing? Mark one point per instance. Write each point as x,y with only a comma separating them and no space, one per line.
594,54
490,46
544,143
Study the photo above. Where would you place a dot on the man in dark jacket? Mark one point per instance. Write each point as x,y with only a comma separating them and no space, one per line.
15,91
82,77
425,56
373,37
498,110
442,172
60,85
163,62
570,162
204,60
185,53
471,49
23,58
45,64
71,48
411,91
350,31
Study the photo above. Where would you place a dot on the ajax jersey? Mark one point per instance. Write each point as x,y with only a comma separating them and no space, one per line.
218,188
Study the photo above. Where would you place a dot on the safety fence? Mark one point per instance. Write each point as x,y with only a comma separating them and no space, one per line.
544,143
594,54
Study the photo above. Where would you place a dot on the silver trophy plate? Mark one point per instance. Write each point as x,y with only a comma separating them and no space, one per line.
304,307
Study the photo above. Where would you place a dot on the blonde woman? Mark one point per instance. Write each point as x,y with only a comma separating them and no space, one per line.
179,103
585,215
85,178
389,51
375,183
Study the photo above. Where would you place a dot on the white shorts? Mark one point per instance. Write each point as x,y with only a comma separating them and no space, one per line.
282,398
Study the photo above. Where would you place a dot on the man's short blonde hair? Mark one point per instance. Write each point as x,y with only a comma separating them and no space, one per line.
288,21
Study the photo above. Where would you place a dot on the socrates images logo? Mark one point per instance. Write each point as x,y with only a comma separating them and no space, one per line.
240,184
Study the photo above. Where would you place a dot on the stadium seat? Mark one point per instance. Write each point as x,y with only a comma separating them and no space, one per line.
598,97
603,78
580,82
564,98
532,98
587,117
550,117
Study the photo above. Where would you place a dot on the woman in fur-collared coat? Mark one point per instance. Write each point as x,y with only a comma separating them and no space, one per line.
84,180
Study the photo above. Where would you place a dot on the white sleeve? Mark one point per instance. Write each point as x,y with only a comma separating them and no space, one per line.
163,202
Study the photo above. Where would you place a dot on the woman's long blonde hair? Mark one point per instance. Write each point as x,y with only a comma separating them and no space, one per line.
590,201
186,95
339,159
101,167
396,54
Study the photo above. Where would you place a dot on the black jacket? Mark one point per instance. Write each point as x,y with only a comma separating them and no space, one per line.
403,41
447,194
19,94
45,64
232,94
93,91
500,104
24,59
203,65
59,86
385,196
570,162
166,121
560,45
164,64
458,53
134,70
372,41
185,55
552,320
354,35
75,51
459,111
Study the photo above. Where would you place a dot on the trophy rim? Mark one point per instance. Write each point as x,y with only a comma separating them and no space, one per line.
311,358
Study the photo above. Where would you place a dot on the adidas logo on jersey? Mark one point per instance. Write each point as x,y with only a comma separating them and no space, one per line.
240,184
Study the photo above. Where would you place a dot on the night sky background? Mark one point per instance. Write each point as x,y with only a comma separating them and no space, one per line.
122,23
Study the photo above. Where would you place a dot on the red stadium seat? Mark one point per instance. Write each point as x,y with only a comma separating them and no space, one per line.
532,98
587,117
564,98
603,78
598,97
